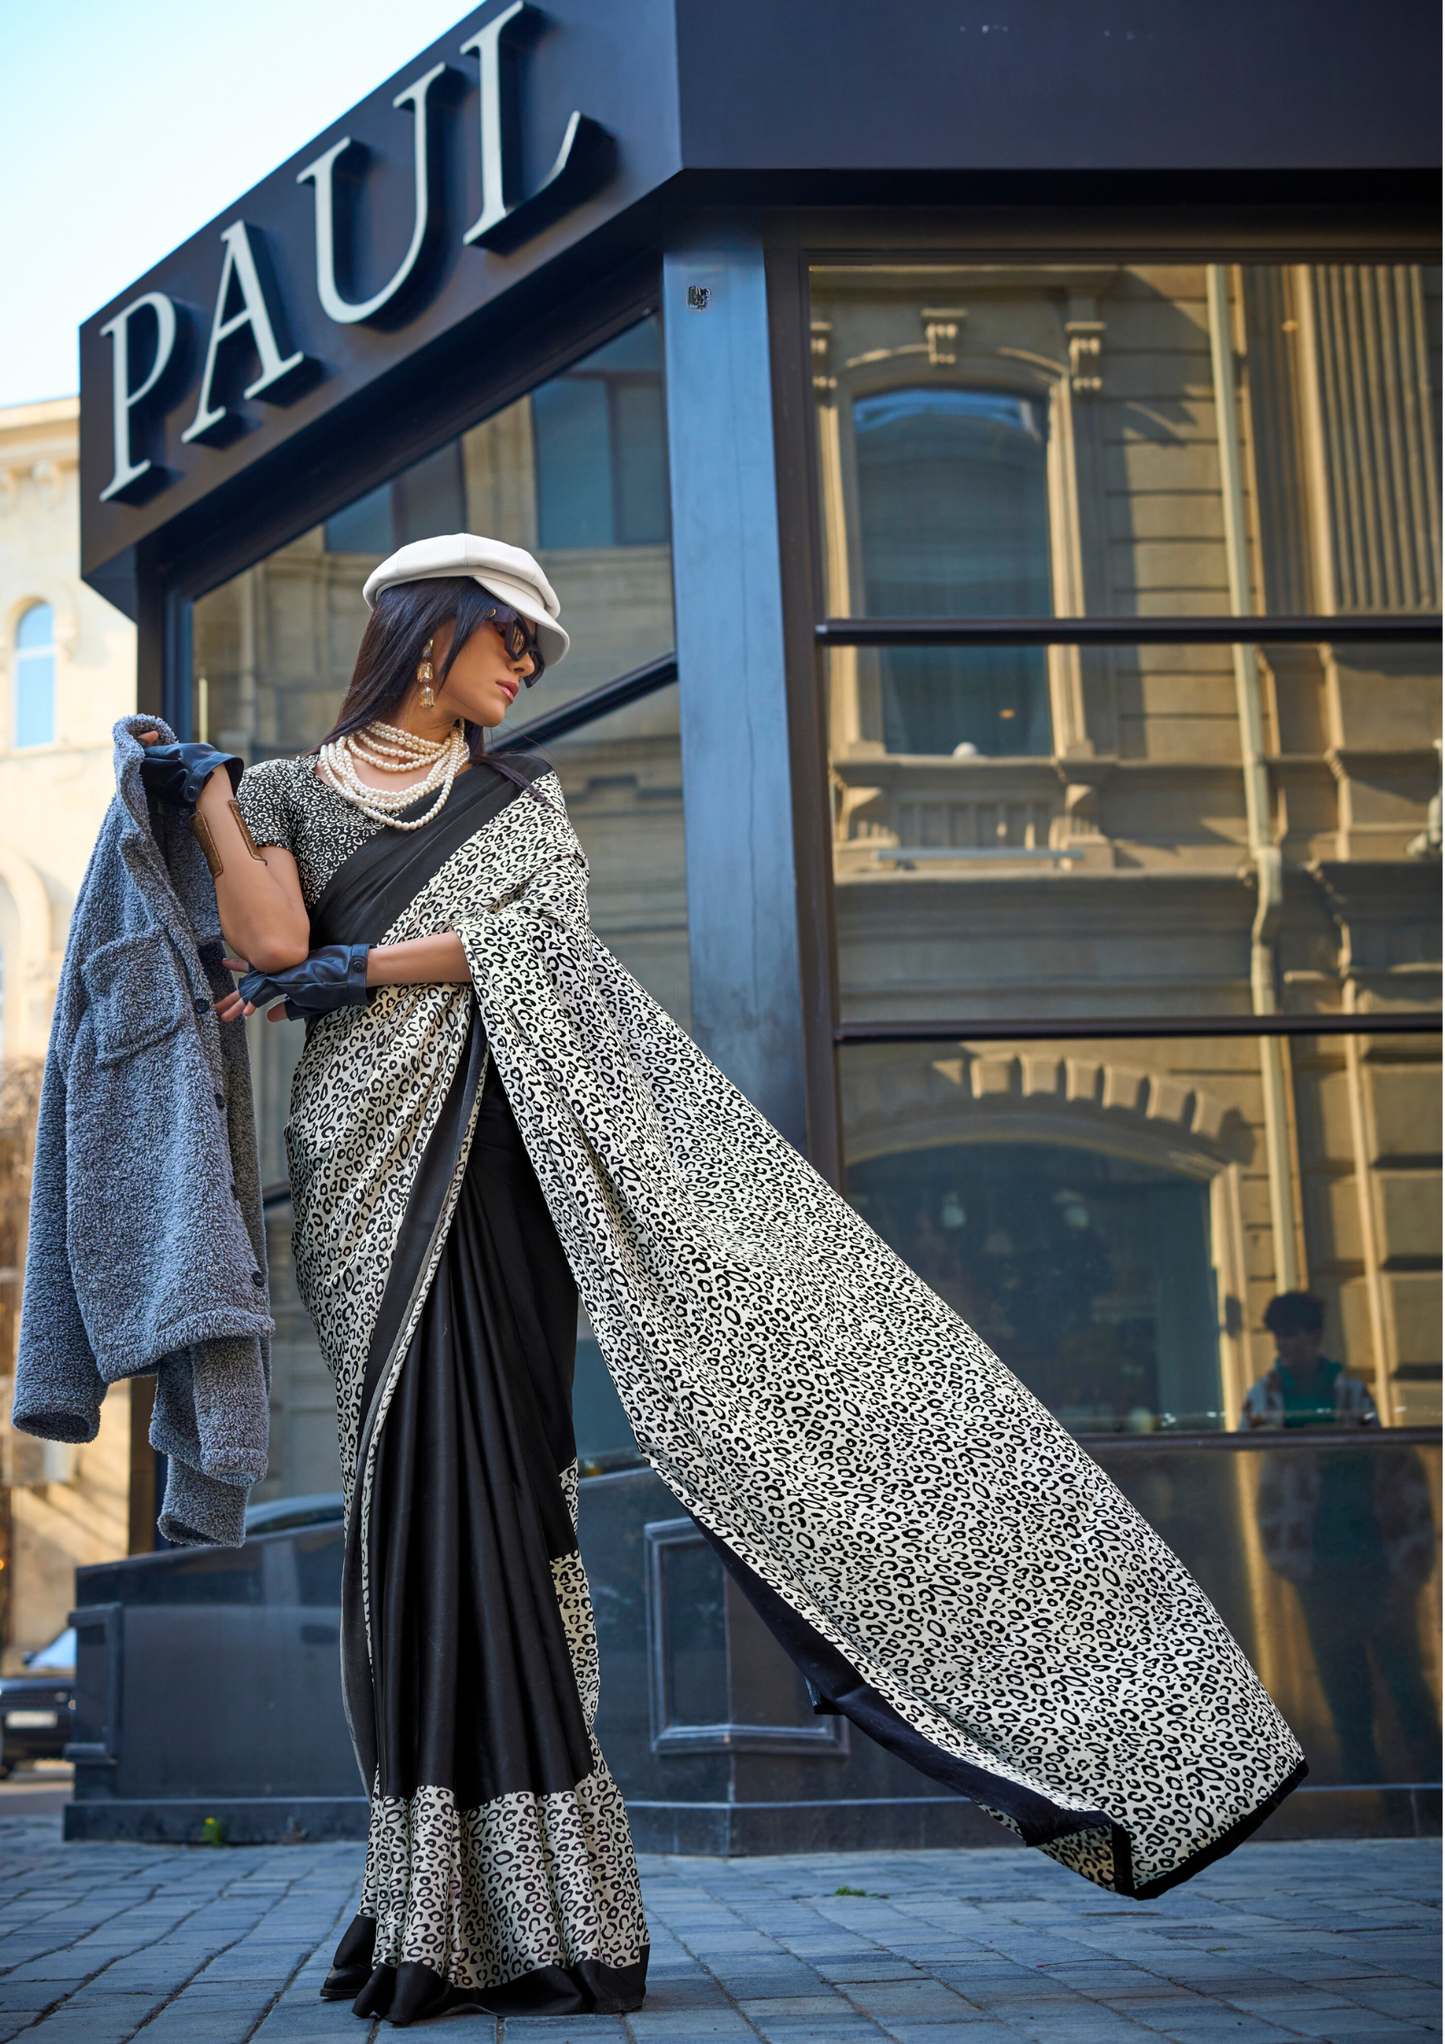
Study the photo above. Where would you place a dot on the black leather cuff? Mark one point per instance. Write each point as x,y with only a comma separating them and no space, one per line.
333,977
177,773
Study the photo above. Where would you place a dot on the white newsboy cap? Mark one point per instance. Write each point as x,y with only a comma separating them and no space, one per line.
507,572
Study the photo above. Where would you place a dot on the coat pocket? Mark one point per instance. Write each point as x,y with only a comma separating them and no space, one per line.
137,995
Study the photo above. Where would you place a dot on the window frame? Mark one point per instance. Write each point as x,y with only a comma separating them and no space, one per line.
21,658
961,373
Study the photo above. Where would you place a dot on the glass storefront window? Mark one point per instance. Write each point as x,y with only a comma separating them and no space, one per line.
576,472
1057,426
1320,1552
1102,1213
976,885
1113,831
1089,1271
274,647
1034,441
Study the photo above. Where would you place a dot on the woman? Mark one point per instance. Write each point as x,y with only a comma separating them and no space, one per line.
488,1109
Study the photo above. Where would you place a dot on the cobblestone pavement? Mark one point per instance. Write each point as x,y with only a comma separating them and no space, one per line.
1336,1942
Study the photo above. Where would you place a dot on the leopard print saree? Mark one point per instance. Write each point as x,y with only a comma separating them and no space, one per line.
947,1565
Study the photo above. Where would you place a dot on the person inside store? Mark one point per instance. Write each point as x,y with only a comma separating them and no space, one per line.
491,1117
1353,1531
1303,1387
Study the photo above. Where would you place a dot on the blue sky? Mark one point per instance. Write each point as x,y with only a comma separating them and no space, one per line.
128,124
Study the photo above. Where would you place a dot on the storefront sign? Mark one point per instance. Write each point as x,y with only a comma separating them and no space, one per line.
342,316
182,373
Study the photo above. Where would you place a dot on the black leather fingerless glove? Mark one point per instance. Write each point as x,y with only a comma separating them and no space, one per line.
177,773
333,977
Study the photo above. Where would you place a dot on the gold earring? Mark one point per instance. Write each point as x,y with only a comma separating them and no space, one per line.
424,676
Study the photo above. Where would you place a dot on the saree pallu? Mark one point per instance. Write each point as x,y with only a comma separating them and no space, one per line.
946,1565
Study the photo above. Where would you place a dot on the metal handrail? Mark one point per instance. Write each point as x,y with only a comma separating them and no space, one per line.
1099,1028
1391,629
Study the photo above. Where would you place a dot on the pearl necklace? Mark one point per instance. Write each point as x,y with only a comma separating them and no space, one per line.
392,751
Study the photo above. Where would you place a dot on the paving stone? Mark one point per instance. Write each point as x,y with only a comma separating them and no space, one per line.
982,2030
780,2007
197,2017
1405,2000
689,2026
25,1994
114,2022
685,1991
1206,2025
919,2000
883,1967
97,1942
815,2029
569,2030
301,2008
1338,2024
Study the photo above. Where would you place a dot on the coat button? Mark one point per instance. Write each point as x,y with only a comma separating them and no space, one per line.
256,1278
220,1100
203,1007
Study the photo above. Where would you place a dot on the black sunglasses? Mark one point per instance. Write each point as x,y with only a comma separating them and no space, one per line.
519,635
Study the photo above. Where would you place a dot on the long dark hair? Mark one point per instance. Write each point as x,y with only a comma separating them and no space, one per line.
406,616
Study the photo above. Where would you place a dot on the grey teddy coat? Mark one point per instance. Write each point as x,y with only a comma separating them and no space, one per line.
147,1248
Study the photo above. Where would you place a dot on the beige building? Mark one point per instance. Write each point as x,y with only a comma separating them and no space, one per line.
67,671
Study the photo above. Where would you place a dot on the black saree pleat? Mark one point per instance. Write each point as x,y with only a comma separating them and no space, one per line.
499,1869
474,1683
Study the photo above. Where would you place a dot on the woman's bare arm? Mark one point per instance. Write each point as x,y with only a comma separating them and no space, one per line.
422,961
258,892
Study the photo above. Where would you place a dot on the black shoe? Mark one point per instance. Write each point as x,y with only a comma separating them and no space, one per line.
344,1983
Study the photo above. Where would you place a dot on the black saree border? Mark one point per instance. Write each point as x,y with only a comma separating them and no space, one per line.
1237,1833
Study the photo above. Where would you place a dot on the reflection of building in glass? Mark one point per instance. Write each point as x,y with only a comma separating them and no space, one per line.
576,472
1089,1271
1170,830
953,521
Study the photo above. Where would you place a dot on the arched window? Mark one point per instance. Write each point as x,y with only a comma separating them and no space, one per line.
35,677
953,516
1089,1273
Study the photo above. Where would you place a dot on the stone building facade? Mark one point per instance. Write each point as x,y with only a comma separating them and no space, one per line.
67,671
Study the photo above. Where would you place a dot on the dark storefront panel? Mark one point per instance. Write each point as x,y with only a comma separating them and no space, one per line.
208,1684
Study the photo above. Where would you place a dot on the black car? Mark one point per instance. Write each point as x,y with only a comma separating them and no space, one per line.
37,1708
